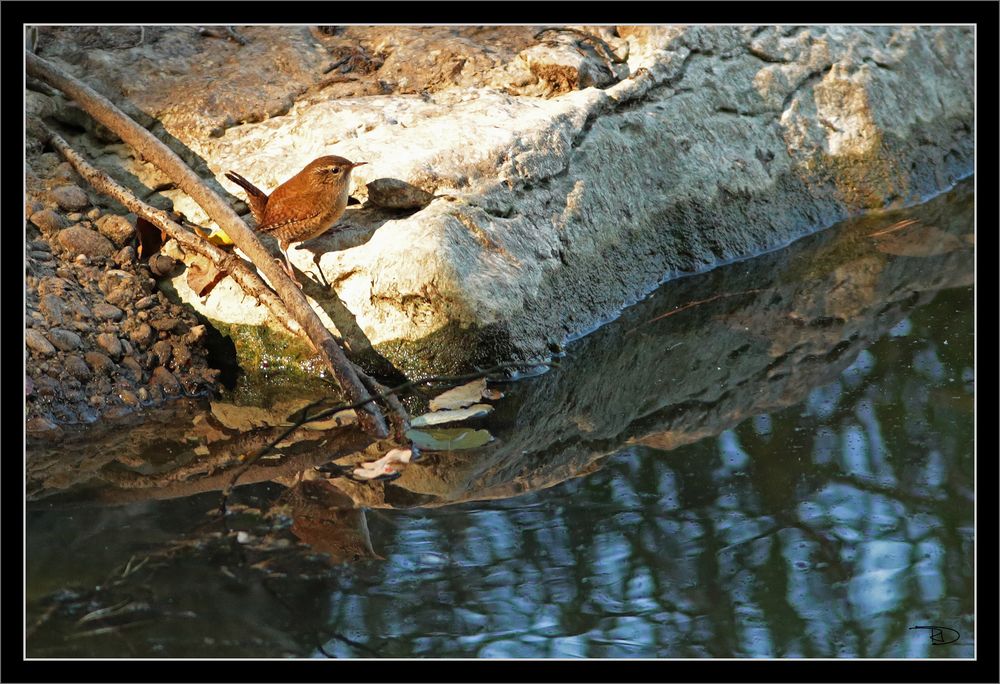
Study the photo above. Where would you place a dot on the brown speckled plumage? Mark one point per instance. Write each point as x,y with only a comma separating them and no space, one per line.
303,207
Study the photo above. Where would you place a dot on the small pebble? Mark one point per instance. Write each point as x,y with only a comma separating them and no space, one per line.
48,221
77,367
99,362
108,312
128,397
118,229
167,324
65,340
165,379
161,265
132,369
142,336
126,255
111,344
70,197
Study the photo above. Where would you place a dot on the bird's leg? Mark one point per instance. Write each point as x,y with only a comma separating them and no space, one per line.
288,265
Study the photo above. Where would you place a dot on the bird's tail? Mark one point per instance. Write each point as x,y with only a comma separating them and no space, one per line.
256,198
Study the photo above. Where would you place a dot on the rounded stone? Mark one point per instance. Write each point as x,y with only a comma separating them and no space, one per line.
131,369
167,324
40,424
142,336
36,341
116,228
48,221
77,367
99,362
83,241
126,255
53,308
146,302
161,265
70,197
110,343
108,312
128,397
393,193
166,381
65,340
160,353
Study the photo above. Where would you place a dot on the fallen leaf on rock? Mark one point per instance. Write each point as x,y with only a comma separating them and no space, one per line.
449,439
215,235
459,397
451,416
202,275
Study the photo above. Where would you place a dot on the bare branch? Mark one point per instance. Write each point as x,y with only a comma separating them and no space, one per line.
153,150
225,261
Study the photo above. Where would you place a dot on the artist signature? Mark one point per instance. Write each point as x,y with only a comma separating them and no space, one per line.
941,635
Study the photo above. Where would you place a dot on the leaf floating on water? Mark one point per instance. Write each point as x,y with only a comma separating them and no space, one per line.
918,241
440,417
459,397
449,439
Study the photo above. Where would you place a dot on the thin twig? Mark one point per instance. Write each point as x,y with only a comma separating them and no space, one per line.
678,309
905,223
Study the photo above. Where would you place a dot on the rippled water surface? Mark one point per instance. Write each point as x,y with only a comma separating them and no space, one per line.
774,458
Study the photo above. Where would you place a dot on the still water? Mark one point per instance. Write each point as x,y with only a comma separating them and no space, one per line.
774,458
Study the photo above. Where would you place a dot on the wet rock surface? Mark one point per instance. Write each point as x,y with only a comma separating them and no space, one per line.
568,170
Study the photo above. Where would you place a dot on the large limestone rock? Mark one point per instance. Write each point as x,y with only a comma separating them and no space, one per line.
561,197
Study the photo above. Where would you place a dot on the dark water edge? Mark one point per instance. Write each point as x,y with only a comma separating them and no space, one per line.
774,458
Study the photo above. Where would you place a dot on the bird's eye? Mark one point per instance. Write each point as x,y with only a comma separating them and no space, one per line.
335,170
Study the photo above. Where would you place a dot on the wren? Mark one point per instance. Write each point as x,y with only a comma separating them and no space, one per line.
305,206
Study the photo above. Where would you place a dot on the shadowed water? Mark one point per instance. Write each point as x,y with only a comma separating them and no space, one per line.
771,459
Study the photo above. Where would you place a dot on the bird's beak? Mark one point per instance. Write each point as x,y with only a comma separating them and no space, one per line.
357,164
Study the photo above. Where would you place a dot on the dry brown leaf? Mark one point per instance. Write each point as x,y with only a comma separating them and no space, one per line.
202,275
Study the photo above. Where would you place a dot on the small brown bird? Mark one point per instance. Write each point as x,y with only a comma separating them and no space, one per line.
303,207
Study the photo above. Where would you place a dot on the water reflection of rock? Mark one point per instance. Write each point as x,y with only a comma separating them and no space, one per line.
806,313
700,356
